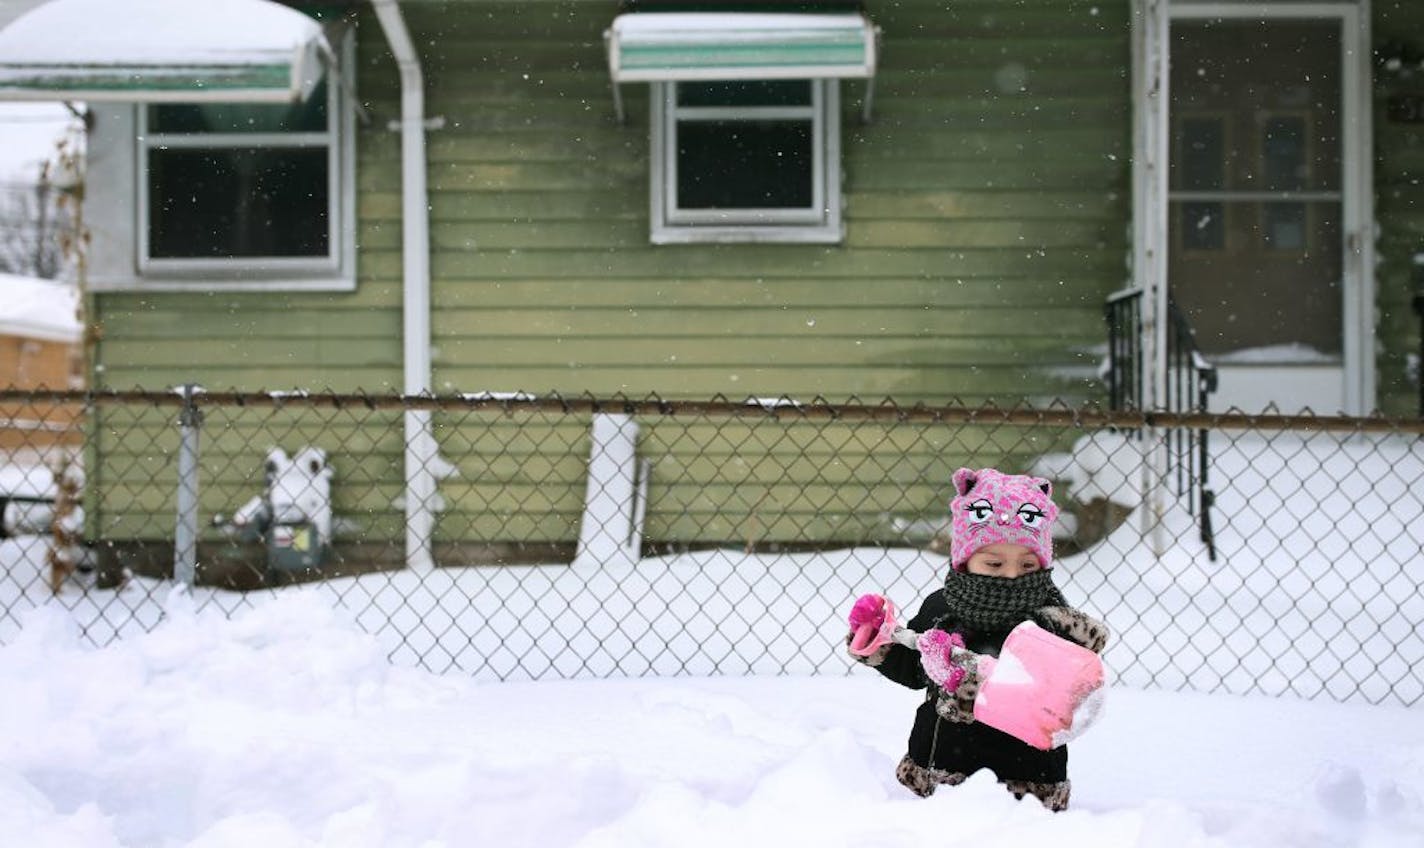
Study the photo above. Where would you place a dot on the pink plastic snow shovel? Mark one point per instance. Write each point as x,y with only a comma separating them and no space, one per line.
1042,689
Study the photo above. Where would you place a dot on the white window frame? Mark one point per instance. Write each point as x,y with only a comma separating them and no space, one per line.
334,271
820,222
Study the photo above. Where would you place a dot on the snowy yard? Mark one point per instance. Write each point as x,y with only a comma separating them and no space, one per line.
280,718
286,726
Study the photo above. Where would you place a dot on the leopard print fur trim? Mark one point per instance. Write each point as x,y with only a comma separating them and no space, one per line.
923,781
1054,796
1074,625
873,660
958,705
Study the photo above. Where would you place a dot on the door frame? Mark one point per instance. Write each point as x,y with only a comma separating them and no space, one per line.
1151,48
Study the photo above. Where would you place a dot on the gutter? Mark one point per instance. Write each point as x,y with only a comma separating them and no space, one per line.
420,448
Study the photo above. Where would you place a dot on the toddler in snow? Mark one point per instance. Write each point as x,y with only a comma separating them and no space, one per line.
1000,576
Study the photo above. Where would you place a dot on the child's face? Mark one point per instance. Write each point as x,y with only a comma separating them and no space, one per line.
1003,560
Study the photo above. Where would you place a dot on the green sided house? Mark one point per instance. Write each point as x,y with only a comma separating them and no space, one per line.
915,199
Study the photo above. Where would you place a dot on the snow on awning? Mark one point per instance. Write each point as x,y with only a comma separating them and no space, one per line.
161,50
660,46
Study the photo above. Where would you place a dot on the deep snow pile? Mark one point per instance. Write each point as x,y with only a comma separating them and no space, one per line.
287,726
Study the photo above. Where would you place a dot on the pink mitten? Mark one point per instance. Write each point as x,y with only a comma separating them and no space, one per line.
872,622
1043,689
937,658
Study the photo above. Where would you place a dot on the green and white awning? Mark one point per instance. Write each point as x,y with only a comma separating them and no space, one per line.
661,46
161,50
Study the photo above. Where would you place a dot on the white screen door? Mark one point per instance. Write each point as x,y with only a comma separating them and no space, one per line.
1262,200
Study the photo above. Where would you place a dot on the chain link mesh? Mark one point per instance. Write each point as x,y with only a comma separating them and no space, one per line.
574,537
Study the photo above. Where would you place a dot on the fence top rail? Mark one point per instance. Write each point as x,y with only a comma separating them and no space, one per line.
955,412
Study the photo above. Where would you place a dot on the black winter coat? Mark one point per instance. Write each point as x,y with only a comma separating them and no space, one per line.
938,743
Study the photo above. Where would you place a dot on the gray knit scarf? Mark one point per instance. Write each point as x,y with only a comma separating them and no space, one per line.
983,602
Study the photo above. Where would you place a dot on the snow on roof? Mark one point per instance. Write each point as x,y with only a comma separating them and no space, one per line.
39,309
157,32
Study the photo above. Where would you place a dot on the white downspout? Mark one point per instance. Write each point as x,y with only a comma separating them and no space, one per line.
1358,139
1150,33
420,453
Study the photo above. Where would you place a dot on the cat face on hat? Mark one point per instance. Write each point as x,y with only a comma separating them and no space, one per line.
990,507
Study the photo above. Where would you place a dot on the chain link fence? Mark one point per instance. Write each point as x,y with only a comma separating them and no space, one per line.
523,537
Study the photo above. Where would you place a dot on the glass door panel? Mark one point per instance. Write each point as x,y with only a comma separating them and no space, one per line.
1254,187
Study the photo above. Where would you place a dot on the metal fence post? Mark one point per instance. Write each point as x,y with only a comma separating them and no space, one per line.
185,534
1419,369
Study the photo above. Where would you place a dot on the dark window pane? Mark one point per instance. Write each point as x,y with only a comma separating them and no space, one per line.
1203,226
744,165
745,93
1254,295
1254,73
1283,225
1283,154
269,202
1202,160
187,118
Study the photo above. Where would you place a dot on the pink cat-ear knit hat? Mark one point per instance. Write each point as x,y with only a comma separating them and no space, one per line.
990,507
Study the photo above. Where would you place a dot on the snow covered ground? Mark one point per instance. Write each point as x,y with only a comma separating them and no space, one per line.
320,716
286,725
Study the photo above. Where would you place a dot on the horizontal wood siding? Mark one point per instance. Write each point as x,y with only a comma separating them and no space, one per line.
752,479
986,207
986,210
133,495
748,480
1399,207
986,213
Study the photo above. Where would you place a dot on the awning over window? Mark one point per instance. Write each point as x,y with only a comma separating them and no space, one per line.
161,50
657,46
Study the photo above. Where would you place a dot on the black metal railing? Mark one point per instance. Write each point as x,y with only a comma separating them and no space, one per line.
1190,381
1417,277
1419,368
1123,374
